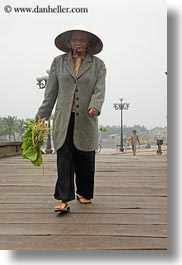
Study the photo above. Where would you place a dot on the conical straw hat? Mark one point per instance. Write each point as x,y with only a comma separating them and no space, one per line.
62,41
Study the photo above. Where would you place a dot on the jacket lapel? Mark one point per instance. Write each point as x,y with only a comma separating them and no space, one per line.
86,64
69,64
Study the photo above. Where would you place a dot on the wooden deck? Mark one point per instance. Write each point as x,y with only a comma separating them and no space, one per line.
129,210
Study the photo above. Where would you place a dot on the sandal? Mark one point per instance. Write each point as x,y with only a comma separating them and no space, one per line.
62,207
83,200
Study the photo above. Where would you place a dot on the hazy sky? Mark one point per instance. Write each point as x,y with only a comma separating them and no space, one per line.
135,53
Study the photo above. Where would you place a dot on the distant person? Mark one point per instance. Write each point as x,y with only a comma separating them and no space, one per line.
127,143
77,84
159,145
134,141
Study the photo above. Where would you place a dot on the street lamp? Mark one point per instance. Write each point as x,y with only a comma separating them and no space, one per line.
42,81
121,106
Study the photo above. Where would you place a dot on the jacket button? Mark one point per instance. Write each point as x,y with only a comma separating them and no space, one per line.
77,106
77,114
76,90
77,98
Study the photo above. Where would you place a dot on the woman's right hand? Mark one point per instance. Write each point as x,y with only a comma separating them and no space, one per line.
36,119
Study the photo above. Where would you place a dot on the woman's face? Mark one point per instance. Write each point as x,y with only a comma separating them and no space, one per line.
79,41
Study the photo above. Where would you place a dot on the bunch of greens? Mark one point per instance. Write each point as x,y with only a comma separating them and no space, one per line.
33,139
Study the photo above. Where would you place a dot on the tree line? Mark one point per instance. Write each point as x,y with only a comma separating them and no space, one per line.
11,129
127,131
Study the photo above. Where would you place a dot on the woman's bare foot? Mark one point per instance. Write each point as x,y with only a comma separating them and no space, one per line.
62,207
83,200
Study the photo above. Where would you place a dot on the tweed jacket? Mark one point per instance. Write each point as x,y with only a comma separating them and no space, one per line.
88,87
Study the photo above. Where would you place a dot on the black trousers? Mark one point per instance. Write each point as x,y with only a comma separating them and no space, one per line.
73,162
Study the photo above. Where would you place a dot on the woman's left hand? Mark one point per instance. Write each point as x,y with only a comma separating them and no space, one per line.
92,112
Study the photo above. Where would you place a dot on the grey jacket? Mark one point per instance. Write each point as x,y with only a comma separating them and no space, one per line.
89,90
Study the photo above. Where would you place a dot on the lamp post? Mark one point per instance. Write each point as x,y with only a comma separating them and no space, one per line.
121,106
42,81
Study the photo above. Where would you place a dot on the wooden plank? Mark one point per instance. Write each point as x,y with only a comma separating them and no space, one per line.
52,242
112,201
19,178
143,230
99,181
99,190
80,218
42,207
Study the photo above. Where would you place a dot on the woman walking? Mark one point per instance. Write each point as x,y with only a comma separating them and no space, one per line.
77,85
134,141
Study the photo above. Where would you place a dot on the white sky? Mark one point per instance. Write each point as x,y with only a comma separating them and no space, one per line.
134,34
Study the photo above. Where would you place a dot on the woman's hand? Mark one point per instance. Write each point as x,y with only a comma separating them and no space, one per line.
93,112
36,119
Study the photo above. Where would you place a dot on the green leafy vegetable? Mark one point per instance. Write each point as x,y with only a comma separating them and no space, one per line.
33,139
